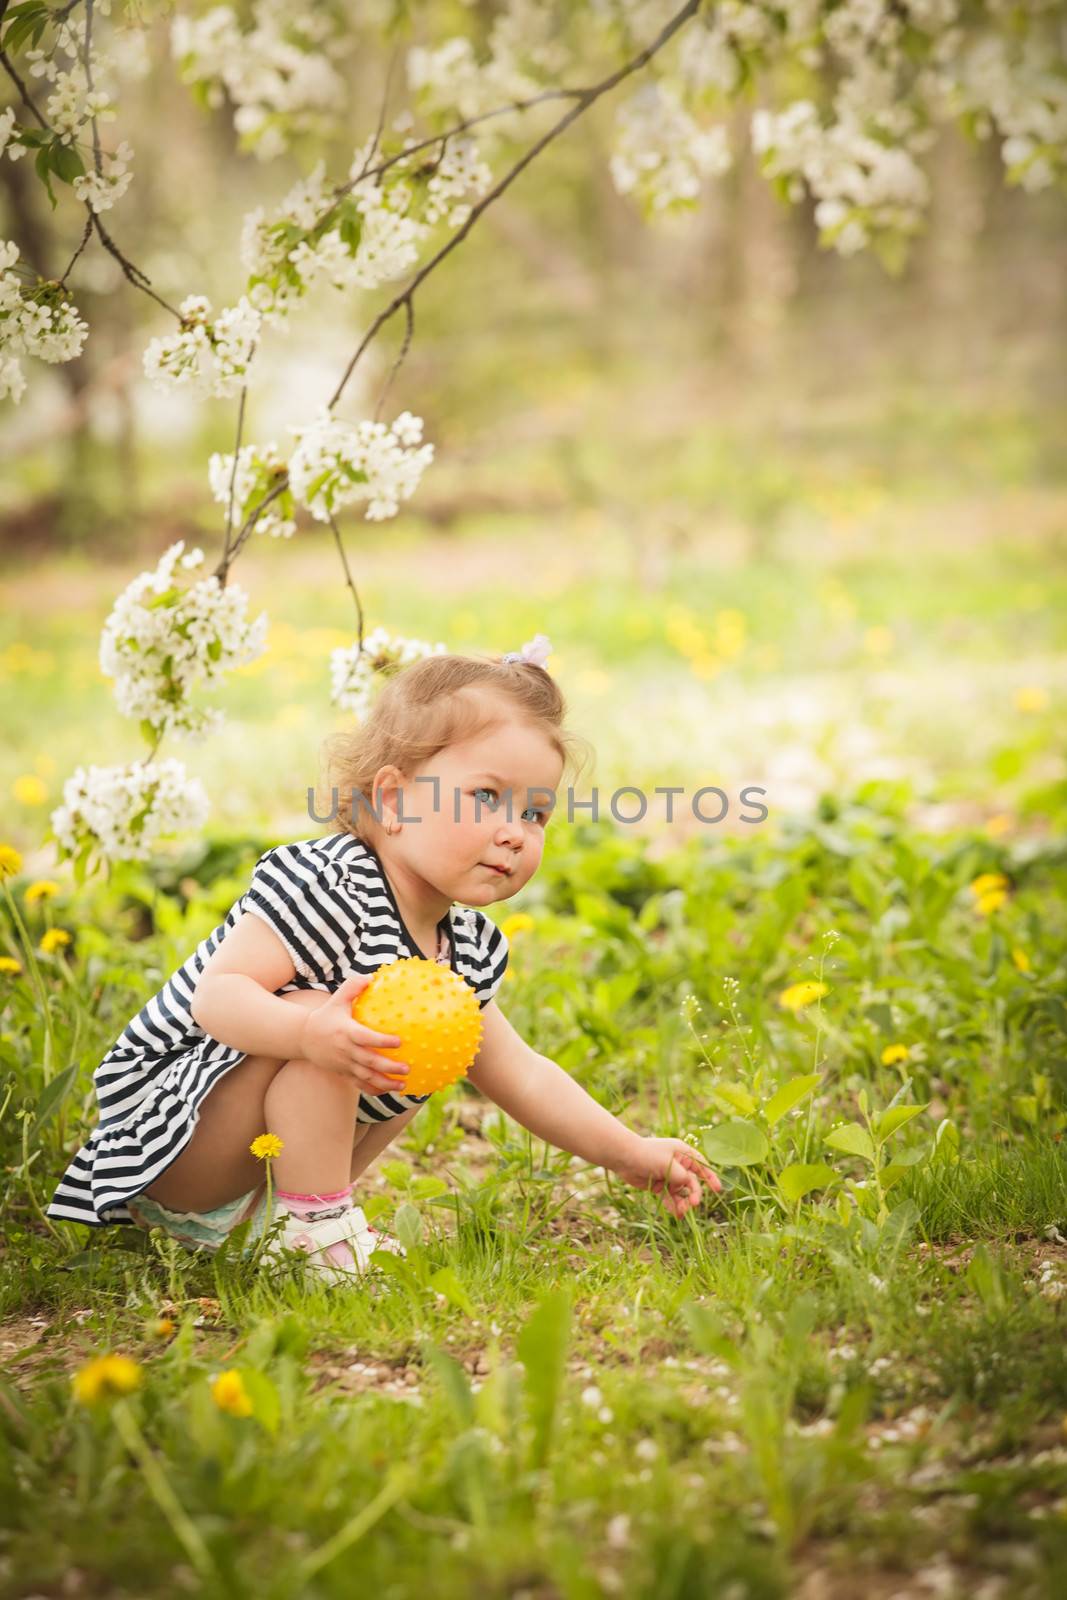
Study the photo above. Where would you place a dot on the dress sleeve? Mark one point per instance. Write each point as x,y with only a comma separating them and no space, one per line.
493,953
299,898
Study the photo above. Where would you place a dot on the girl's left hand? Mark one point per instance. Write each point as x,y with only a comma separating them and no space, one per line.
671,1165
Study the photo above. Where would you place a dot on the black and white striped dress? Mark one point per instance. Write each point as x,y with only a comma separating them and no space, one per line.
332,906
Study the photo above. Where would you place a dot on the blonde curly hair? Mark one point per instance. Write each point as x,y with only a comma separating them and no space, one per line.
427,706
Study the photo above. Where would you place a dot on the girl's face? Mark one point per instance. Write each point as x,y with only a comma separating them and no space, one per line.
466,828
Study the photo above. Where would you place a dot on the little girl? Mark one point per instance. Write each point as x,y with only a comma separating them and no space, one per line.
255,1032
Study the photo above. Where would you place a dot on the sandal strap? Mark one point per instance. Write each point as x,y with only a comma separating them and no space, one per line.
351,1227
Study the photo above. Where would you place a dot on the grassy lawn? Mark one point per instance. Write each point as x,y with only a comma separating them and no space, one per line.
845,1375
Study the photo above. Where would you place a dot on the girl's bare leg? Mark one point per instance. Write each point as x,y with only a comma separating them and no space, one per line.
372,1138
217,1165
312,1111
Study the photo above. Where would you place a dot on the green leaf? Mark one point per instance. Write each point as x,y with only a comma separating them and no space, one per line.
892,1174
51,1098
67,164
454,1384
266,1406
986,1278
708,1335
447,1283
801,1177
890,1121
407,1225
736,1143
43,166
853,1139
947,1141
24,22
427,1187
736,1096
542,1349
790,1095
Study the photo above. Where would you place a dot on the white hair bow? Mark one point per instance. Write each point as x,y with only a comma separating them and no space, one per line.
536,651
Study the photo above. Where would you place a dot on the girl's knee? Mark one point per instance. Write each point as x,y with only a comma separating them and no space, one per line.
303,1078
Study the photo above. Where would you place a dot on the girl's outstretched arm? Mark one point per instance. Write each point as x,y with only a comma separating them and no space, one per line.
540,1095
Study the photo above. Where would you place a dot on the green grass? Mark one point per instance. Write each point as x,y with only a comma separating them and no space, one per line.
562,1391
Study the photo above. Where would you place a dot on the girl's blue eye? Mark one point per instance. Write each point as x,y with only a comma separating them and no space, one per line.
536,812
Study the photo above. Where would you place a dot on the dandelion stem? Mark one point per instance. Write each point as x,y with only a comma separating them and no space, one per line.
162,1492
398,1483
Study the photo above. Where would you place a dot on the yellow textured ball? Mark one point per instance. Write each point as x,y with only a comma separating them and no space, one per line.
434,1013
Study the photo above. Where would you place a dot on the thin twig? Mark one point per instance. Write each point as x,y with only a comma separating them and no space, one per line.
587,98
409,311
381,117
584,98
410,150
86,236
248,527
132,273
225,562
98,160
348,579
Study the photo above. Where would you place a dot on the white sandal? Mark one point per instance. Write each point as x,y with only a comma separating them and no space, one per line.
314,1236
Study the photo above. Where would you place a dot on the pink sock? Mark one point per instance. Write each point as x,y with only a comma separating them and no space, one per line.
305,1205
310,1206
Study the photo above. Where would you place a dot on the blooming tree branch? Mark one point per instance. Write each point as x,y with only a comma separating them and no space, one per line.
850,95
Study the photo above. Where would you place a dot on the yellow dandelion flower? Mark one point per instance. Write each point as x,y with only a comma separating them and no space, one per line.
799,995
986,882
105,1377
266,1144
986,904
229,1393
9,965
998,825
1021,959
10,861
53,939
41,889
518,922
163,1327
1030,698
893,1054
30,790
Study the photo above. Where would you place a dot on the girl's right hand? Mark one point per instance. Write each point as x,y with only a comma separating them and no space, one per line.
332,1038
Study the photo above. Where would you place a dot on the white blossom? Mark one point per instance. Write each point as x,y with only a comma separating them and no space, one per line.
339,463
355,674
35,320
119,813
278,72
101,190
860,183
523,52
663,154
258,469
162,639
12,379
211,355
458,176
